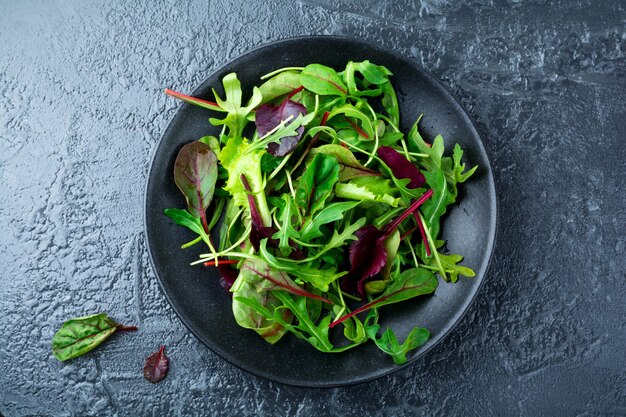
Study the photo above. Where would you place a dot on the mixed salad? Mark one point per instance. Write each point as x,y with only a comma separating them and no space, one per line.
325,210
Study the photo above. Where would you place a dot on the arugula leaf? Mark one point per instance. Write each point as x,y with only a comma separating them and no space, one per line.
82,334
322,80
373,74
332,212
319,278
237,116
316,184
287,231
388,342
449,264
185,219
195,175
436,206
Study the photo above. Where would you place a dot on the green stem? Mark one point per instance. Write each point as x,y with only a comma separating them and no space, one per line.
193,242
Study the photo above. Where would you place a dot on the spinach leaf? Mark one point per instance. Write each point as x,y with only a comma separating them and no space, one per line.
80,335
316,184
279,85
322,80
349,166
410,283
331,213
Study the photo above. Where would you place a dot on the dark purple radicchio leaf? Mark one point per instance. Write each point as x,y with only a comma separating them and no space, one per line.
156,366
269,116
401,167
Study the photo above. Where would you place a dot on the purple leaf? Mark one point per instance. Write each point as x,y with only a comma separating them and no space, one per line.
368,254
229,275
367,258
195,174
401,167
156,366
269,116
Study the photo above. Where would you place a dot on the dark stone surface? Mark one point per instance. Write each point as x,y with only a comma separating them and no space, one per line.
81,109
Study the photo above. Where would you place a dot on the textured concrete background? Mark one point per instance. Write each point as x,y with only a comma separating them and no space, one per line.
81,109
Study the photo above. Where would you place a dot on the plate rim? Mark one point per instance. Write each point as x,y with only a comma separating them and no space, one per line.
494,223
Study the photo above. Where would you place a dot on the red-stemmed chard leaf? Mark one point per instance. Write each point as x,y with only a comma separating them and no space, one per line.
281,280
401,167
368,254
269,116
411,283
195,174
156,366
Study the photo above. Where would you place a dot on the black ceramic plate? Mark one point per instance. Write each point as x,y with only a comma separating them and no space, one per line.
204,306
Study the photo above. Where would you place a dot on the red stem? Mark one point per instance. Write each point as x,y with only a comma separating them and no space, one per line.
294,92
254,211
290,288
418,219
392,226
358,129
408,232
221,262
190,99
122,328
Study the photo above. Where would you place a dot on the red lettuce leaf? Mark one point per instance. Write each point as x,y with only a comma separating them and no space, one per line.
156,366
401,167
269,116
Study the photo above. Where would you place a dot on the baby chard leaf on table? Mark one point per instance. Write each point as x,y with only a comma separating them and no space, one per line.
401,167
237,116
322,80
80,335
268,117
349,166
410,283
316,183
156,366
195,175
